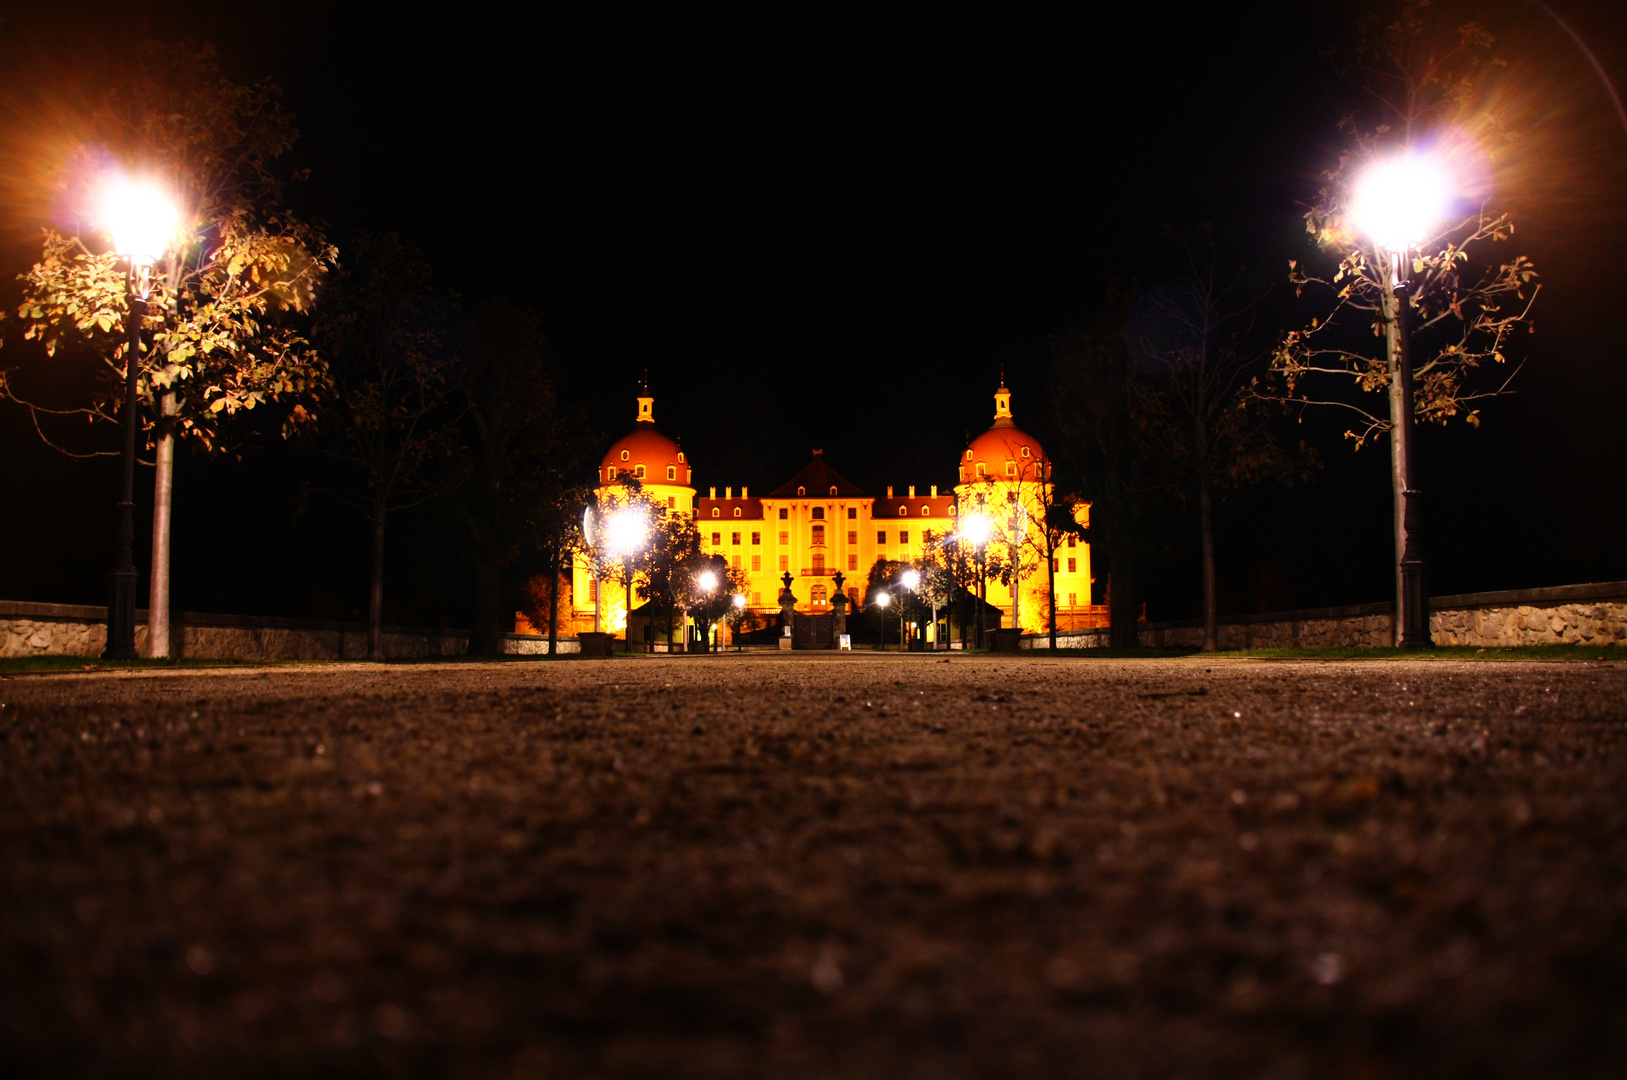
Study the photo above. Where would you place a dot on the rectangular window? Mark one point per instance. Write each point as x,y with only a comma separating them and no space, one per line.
756,562
784,513
903,537
672,472
818,538
1056,565
756,538
756,599
717,539
853,513
881,536
853,537
1073,541
639,472
1073,566
817,594
593,589
672,503
735,562
785,562
785,537
1071,601
852,562
734,538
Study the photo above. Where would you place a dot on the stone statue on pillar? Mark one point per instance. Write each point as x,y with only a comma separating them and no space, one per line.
788,611
838,606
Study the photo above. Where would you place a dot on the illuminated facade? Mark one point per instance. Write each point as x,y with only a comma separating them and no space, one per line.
819,523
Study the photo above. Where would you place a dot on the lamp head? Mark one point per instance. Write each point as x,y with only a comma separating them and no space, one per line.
911,579
141,217
976,528
706,580
625,531
884,599
1397,202
739,600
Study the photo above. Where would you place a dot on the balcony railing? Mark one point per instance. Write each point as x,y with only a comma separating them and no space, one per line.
820,571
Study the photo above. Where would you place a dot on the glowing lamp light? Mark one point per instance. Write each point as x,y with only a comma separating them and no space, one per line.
739,600
976,528
625,532
707,580
884,599
141,218
1399,201
911,579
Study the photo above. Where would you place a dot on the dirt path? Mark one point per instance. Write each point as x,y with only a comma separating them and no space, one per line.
839,865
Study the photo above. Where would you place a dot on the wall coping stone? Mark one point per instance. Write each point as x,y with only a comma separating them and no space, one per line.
90,613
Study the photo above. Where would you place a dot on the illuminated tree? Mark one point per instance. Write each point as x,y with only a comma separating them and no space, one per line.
222,316
1428,90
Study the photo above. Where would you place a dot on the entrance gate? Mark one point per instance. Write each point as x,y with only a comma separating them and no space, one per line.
813,632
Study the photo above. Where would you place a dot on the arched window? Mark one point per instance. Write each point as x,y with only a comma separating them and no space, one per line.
716,512
833,489
802,491
902,510
926,511
737,511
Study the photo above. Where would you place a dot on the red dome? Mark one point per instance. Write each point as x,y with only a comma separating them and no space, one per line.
646,453
1005,452
648,450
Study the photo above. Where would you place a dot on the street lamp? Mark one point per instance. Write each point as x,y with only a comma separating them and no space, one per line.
739,603
976,528
1397,203
143,222
707,581
626,532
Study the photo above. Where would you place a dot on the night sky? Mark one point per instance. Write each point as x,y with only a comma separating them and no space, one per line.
832,229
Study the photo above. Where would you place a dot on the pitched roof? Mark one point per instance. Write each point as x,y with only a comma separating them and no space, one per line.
816,479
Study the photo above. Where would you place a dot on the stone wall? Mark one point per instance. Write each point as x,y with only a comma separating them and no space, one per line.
74,630
1594,614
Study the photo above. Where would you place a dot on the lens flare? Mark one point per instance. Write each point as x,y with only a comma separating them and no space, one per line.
1400,201
625,532
707,580
911,579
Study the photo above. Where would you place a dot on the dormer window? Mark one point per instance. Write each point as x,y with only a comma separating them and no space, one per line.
902,510
626,456
1026,453
833,489
926,511
672,472
737,511
968,454
1011,468
638,472
716,512
982,469
802,491
680,457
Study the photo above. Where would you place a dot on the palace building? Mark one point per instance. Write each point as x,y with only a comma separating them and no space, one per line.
818,524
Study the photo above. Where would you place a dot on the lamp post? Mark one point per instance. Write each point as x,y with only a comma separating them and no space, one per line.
911,580
883,600
707,580
626,533
143,222
739,603
1397,202
976,528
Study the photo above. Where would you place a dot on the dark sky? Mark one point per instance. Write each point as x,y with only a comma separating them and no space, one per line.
827,229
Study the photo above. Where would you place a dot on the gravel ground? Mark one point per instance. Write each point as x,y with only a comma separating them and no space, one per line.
865,865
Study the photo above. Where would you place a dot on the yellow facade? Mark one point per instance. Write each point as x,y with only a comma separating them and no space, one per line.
818,524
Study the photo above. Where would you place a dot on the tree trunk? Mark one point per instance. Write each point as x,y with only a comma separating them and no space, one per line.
1123,611
1206,526
553,567
483,628
375,597
158,643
